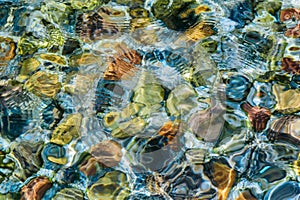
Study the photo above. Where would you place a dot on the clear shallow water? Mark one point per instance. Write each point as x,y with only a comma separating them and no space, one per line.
149,99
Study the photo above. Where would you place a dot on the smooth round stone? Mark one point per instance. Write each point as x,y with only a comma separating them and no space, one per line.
69,194
112,186
285,191
43,84
67,130
181,100
237,88
36,188
108,153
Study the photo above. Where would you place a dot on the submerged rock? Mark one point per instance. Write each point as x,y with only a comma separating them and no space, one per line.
43,84
67,130
36,188
113,185
108,153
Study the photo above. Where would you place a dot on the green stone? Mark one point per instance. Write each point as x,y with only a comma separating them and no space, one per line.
180,100
67,130
112,186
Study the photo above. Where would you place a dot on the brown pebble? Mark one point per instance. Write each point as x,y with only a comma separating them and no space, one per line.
88,167
289,13
293,32
108,153
290,66
258,117
36,188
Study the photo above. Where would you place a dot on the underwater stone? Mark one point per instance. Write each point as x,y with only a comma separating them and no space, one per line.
242,12
8,50
177,15
69,194
285,128
84,59
258,117
246,195
149,94
87,4
199,31
293,32
285,190
113,185
108,153
180,100
207,124
140,18
54,58
119,69
103,23
67,130
54,156
89,166
221,175
129,128
28,156
70,46
36,188
237,88
43,84
291,66
288,101
28,67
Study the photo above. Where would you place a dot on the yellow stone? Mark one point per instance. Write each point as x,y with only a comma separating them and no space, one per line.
61,161
43,84
54,58
110,119
29,66
288,101
67,130
131,110
112,186
129,128
85,59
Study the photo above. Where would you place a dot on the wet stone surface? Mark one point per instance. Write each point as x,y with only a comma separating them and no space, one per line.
149,99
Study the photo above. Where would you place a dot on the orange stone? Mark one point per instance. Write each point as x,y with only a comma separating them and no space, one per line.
36,188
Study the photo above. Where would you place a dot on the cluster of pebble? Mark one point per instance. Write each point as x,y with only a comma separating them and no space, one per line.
149,99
